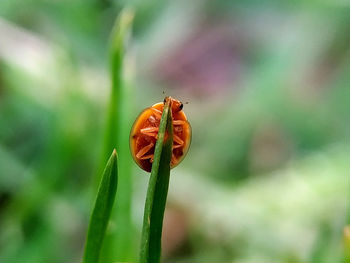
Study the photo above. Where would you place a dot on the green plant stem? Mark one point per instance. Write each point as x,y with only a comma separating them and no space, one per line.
102,210
150,250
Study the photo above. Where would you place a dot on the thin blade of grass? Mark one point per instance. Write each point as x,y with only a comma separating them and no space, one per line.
115,110
118,245
102,210
157,192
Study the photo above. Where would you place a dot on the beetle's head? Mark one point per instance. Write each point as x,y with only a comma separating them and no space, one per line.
176,105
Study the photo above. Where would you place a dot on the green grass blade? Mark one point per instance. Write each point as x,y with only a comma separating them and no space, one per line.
118,245
157,192
102,210
115,110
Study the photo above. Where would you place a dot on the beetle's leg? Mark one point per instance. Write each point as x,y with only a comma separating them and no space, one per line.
149,130
145,157
178,140
173,158
177,146
156,110
179,122
152,119
154,135
178,128
144,150
157,113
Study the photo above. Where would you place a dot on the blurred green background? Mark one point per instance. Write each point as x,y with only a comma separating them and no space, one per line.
268,90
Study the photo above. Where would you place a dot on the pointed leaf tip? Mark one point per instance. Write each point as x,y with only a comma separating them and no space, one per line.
114,153
101,211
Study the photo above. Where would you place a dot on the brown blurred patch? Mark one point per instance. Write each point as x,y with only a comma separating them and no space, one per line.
270,147
175,231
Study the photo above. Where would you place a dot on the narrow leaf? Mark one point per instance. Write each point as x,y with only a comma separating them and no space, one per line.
118,245
102,210
115,109
157,192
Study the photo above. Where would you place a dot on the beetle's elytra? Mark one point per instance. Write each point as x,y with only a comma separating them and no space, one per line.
144,132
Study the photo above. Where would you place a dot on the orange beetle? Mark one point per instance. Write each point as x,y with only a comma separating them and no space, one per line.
144,133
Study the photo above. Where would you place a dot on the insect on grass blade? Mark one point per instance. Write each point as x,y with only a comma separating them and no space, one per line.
157,192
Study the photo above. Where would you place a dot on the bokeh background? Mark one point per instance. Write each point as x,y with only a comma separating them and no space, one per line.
268,90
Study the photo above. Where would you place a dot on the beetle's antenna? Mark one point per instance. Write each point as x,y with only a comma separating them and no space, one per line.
164,93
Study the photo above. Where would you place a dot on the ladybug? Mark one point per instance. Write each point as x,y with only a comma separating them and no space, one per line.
144,134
